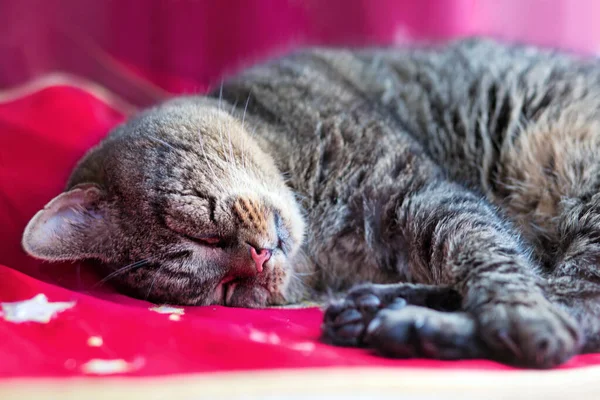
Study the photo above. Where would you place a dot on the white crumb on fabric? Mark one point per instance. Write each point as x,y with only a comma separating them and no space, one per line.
37,309
164,309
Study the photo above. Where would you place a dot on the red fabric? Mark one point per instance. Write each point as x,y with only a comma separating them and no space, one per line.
42,135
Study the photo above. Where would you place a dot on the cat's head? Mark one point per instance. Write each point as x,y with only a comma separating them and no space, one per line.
187,199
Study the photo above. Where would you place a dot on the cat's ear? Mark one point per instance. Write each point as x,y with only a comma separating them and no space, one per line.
72,226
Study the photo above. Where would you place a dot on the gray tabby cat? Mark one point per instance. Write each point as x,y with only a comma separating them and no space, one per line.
459,184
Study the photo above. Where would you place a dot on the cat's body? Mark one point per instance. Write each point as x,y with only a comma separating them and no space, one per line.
467,177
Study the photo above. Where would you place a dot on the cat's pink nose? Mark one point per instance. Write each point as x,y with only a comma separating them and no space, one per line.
260,257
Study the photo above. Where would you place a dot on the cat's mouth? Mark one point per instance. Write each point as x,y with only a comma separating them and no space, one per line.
220,293
234,292
228,292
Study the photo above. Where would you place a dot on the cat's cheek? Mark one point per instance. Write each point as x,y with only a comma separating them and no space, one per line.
277,283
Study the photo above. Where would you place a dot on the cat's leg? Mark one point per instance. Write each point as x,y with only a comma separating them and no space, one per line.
574,275
455,238
581,299
548,181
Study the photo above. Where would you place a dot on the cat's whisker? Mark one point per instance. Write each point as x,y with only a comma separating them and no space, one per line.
120,271
231,112
253,133
156,274
220,124
217,181
299,196
220,107
232,159
161,142
244,141
233,107
243,150
221,95
304,273
245,109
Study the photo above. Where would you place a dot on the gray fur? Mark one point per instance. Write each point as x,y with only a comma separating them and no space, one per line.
465,176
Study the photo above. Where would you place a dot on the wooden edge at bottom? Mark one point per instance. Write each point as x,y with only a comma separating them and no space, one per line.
346,383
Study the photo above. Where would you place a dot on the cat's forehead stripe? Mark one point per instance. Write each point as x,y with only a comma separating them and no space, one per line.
251,214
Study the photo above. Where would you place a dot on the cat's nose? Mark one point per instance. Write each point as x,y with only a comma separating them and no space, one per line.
260,257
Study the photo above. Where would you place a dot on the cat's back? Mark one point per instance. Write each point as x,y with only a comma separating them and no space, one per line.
315,82
477,91
367,67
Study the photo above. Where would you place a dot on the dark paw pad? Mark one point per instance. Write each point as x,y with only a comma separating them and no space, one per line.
345,321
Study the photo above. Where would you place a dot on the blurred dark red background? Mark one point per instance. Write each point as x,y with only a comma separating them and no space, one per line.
185,45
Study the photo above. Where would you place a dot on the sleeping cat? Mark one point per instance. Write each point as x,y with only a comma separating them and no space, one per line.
459,185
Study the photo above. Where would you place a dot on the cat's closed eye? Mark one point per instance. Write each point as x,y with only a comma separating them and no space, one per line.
211,240
283,234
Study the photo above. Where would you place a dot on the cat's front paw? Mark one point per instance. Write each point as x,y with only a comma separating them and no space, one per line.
370,316
414,331
346,320
530,333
